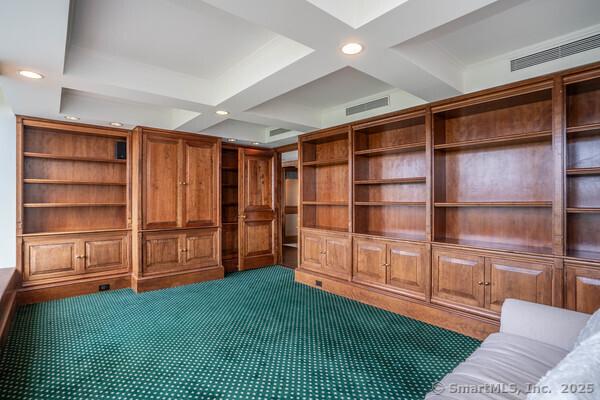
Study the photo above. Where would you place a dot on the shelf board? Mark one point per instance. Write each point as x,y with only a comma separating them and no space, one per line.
583,210
229,185
229,168
389,203
72,158
584,255
496,204
68,182
391,149
584,171
496,246
326,228
325,203
417,179
294,245
229,223
417,237
332,161
71,232
585,129
56,205
497,141
229,204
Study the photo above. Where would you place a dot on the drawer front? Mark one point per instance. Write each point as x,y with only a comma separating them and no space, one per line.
201,248
162,252
583,288
106,253
406,269
457,277
369,261
51,258
312,251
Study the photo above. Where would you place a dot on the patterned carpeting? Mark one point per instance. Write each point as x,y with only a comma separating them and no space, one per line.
254,335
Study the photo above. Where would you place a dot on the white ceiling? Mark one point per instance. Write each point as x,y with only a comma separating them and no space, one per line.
271,63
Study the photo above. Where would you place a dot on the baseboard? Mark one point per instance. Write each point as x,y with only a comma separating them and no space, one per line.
7,303
144,284
457,321
36,294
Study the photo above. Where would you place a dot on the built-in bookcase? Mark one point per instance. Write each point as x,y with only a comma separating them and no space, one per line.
325,181
390,169
229,203
493,161
583,167
73,179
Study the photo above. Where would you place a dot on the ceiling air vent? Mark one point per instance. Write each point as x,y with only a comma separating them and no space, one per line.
578,46
278,131
370,105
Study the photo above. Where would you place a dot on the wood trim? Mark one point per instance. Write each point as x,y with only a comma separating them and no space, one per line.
287,147
8,289
143,284
559,164
415,113
178,134
72,126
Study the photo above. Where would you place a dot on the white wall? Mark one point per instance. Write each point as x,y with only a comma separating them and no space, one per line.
7,185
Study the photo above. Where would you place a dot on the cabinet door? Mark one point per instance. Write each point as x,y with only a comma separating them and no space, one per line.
510,279
51,258
457,278
201,248
312,251
106,253
200,183
406,268
583,288
162,252
369,261
336,257
161,183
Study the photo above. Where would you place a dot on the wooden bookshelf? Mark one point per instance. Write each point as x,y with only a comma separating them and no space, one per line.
229,208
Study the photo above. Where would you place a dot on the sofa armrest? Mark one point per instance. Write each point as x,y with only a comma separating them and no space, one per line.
551,325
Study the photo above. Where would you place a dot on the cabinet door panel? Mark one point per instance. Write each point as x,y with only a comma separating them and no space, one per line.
161,182
200,177
312,249
106,253
201,248
457,278
51,258
162,252
406,268
583,288
528,281
336,259
369,264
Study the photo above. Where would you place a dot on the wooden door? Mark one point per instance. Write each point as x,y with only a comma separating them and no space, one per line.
312,251
161,183
457,278
369,261
51,258
510,279
162,252
406,268
583,288
201,248
106,253
200,176
257,218
336,256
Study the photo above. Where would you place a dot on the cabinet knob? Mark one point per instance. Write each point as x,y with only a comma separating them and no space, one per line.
486,283
80,257
480,283
183,183
184,250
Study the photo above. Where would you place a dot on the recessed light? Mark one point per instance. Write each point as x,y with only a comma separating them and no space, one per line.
117,124
352,48
231,140
71,118
256,143
30,74
221,112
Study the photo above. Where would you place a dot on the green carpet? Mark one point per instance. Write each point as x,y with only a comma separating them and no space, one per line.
253,335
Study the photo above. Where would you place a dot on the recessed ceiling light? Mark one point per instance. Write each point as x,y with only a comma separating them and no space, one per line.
221,112
117,124
352,48
71,118
231,140
30,74
256,143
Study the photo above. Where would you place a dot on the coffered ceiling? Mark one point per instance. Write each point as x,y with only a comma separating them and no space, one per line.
269,63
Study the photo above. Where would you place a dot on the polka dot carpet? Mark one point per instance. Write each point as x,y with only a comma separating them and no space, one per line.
254,335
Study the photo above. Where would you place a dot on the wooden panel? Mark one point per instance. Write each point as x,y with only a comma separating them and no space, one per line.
230,240
369,261
583,103
51,258
457,278
403,165
583,288
583,231
397,221
201,248
318,183
511,279
161,182
325,217
162,252
73,219
200,197
312,251
406,268
38,168
106,253
337,257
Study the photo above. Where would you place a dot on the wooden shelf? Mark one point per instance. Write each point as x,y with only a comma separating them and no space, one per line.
325,203
585,129
229,168
230,185
229,223
584,171
229,204
584,255
391,149
73,232
332,161
326,228
417,237
418,179
495,246
497,204
583,210
497,141
68,182
389,203
55,205
72,158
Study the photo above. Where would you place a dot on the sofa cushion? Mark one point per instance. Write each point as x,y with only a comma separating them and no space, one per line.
591,328
506,366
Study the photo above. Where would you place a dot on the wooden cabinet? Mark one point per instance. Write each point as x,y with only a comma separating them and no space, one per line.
465,279
582,287
201,248
326,253
53,259
395,266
